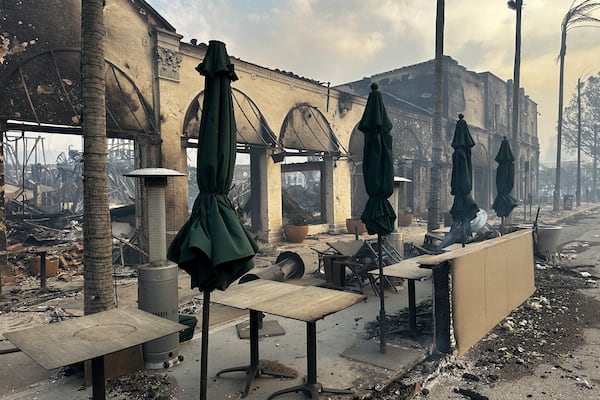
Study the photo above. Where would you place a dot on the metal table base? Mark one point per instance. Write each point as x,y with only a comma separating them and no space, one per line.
256,367
310,388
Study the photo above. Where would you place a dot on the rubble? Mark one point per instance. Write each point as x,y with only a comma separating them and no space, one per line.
545,329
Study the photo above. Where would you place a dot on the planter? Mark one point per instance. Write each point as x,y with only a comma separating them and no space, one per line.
355,226
51,266
405,219
295,233
548,238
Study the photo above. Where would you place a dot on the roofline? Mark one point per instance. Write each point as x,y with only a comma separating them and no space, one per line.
155,14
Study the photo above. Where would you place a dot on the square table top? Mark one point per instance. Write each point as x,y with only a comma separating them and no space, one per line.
303,303
80,339
409,268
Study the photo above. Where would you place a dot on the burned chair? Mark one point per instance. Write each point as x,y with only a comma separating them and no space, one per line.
346,264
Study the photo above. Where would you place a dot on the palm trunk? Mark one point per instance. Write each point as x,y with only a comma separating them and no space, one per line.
561,78
435,183
516,85
97,256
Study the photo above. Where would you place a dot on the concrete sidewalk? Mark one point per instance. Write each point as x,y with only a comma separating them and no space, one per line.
347,357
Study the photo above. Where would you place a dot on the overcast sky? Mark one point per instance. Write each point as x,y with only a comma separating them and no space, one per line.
344,40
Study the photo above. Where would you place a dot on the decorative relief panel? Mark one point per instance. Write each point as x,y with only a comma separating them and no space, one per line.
169,63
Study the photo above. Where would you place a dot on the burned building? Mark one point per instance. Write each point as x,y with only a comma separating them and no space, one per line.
292,129
486,102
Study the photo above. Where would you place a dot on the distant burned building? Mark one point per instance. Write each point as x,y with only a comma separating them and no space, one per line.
484,99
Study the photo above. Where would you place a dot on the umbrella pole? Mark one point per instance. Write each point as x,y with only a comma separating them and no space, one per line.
502,226
382,326
204,349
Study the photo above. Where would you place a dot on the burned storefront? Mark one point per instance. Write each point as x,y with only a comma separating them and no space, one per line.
297,137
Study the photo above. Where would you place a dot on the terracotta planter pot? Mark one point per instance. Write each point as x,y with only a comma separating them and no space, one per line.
295,233
352,225
405,219
51,266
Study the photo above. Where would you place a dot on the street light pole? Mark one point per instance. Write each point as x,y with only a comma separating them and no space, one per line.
594,173
578,189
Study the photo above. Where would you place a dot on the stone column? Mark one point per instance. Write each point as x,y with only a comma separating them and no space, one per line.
327,194
169,119
338,176
259,157
270,177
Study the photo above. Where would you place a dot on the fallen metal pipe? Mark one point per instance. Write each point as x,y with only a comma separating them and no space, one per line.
287,265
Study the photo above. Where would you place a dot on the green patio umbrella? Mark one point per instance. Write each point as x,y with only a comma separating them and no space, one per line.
213,246
464,208
378,174
505,180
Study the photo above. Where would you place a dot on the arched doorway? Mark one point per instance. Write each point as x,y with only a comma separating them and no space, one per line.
407,153
481,176
254,138
307,156
45,89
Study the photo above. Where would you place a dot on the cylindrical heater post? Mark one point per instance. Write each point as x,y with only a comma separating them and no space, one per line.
157,280
156,221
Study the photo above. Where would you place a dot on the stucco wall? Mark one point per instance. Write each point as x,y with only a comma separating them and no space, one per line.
274,94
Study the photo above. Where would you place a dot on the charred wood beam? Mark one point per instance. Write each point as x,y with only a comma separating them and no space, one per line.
76,130
134,247
307,166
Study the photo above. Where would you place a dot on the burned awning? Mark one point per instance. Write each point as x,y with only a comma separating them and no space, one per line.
46,89
252,127
306,129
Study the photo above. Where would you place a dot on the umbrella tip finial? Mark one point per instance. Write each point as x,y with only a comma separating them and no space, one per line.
460,116
374,86
504,137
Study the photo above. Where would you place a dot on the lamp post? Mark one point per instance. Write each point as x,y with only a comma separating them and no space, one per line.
577,14
594,173
578,188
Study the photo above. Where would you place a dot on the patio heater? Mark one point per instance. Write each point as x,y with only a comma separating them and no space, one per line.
397,236
157,280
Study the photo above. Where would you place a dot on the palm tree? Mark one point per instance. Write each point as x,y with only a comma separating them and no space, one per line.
517,6
97,241
435,183
576,16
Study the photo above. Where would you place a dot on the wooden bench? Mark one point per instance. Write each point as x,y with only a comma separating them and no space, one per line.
302,303
91,338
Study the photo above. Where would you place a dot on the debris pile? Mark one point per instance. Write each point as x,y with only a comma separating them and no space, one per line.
543,330
143,385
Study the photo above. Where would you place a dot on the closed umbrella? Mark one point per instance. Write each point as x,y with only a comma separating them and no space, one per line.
464,208
378,174
505,180
213,246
